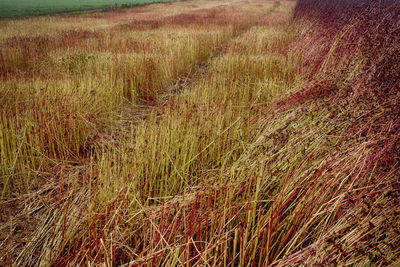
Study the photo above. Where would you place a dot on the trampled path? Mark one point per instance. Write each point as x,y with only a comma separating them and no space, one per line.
134,114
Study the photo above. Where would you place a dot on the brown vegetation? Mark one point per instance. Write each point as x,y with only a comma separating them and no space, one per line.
203,133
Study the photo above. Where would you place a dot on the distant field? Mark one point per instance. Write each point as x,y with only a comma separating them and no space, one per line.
14,8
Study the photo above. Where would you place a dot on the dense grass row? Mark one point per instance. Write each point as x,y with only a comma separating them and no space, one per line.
281,149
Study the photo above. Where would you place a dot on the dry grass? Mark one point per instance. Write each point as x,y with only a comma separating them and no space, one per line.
214,134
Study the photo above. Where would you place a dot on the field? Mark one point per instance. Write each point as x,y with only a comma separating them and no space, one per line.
202,133
16,8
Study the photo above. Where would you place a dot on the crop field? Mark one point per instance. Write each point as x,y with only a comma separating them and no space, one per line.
202,133
16,8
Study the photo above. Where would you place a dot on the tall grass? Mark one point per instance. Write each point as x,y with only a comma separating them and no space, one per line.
236,135
64,93
61,93
173,161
